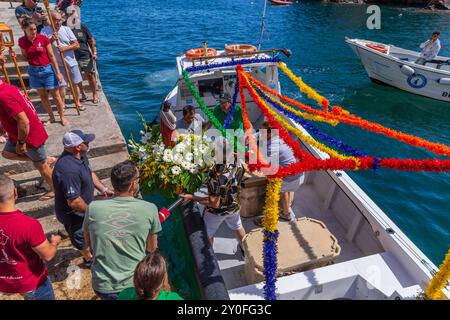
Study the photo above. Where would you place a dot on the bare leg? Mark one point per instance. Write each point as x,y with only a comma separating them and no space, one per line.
46,103
284,199
62,93
60,104
93,85
82,93
77,94
46,173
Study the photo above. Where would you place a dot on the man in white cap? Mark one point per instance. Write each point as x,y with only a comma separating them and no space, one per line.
74,184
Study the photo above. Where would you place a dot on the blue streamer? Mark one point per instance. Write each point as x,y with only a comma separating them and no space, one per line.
231,63
233,106
314,130
376,163
270,252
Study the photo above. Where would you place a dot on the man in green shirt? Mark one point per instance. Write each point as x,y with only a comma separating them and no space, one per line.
222,110
120,231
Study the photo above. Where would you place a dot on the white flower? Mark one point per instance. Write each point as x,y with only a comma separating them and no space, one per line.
189,156
176,170
146,137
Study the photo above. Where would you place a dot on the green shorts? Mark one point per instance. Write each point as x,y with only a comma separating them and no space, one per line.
86,66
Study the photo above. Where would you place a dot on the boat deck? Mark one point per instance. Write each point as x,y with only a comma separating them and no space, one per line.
307,203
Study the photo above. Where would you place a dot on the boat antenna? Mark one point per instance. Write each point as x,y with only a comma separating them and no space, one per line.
262,25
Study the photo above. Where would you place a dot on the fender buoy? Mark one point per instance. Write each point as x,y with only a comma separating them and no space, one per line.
163,214
378,47
239,49
199,52
407,70
444,81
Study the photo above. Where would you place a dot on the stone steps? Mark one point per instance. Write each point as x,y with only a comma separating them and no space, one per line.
11,68
98,150
30,183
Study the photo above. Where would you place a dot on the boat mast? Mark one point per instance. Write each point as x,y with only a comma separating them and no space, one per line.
262,25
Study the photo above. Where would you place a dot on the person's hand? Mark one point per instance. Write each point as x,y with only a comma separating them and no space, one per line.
2,59
21,148
59,76
55,240
37,15
186,197
62,48
95,57
108,192
54,36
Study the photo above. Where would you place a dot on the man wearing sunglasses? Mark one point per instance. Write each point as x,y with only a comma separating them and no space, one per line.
30,9
74,184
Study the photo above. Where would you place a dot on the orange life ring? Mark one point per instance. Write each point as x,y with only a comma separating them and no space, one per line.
239,49
199,52
377,47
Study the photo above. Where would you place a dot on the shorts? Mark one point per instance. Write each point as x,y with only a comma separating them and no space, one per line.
86,66
43,77
75,230
36,155
74,73
213,222
292,186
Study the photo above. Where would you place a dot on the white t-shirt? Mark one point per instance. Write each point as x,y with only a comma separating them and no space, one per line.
66,36
430,50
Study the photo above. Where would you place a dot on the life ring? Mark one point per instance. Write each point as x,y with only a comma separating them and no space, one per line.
200,52
377,47
239,49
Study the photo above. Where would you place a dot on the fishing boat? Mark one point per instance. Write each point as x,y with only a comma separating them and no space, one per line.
281,2
396,67
341,245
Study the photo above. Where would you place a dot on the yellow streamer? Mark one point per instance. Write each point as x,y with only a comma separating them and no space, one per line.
302,136
439,281
308,116
271,212
310,92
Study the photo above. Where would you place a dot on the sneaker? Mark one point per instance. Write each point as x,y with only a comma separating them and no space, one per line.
82,108
83,98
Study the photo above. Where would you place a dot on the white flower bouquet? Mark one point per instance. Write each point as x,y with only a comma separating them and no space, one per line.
173,170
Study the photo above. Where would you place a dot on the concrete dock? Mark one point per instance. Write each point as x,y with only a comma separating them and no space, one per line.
108,149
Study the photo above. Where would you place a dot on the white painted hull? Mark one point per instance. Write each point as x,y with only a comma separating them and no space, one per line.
386,68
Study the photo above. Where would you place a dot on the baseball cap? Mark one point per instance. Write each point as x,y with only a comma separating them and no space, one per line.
76,137
224,97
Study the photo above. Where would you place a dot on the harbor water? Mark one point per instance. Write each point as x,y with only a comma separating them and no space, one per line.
138,44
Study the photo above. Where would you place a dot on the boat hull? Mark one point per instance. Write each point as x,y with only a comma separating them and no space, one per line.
385,69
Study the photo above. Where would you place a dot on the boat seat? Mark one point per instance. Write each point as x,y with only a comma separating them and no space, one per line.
303,244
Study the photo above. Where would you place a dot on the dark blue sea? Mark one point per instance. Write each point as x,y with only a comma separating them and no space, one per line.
139,40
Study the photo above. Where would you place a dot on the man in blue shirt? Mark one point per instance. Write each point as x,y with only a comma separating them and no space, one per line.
74,184
30,9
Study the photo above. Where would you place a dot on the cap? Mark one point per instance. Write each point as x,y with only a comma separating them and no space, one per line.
76,137
224,97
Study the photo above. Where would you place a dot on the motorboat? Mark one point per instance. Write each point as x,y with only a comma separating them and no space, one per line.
396,67
281,3
368,255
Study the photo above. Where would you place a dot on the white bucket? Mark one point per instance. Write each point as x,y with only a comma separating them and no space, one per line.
444,81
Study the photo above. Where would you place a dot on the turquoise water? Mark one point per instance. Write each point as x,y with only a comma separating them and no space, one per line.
138,44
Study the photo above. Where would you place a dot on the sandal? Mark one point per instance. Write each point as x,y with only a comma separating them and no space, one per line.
95,101
48,196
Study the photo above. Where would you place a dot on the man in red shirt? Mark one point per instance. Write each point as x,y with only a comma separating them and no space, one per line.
23,247
26,133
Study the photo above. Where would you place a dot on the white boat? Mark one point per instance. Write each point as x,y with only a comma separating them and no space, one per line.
396,67
376,261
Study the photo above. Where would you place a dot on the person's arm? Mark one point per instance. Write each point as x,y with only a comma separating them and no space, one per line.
23,129
87,236
24,53
74,45
209,201
152,242
77,204
424,44
100,186
93,45
53,60
47,250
